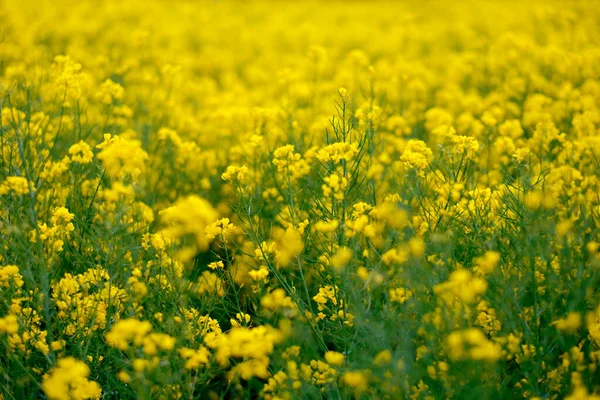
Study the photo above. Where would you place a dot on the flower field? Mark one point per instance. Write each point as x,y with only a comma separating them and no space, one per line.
299,200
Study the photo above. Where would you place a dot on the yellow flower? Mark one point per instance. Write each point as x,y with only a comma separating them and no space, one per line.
341,258
337,152
488,262
68,381
190,215
522,154
472,344
194,358
122,157
221,228
334,358
326,226
563,227
81,152
462,285
400,295
276,300
465,146
383,358
335,185
9,324
126,331
416,155
288,245
8,274
235,174
533,200
570,324
110,91
15,184
358,380
259,274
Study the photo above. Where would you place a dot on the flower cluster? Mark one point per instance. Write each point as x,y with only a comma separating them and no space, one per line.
310,200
